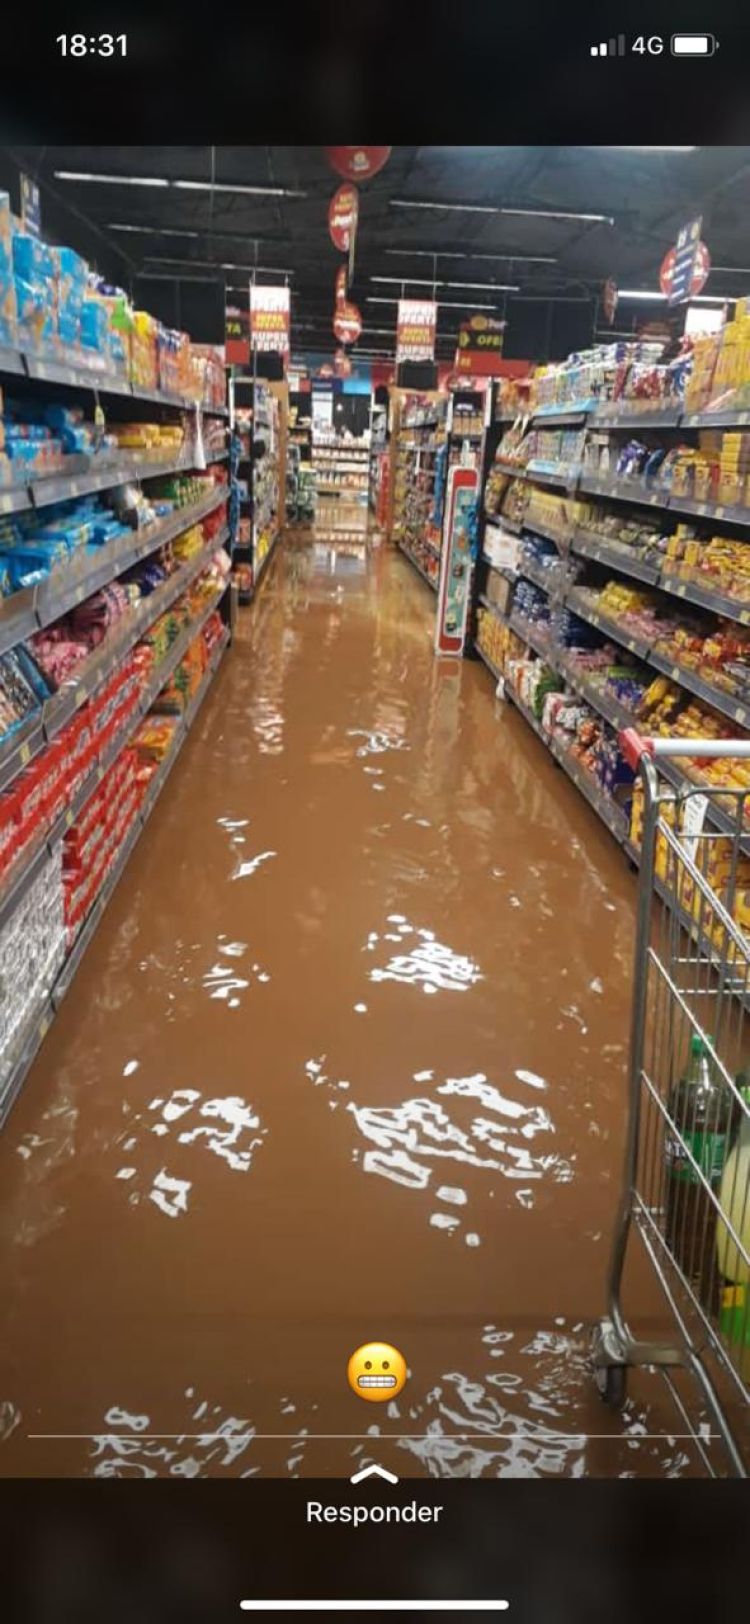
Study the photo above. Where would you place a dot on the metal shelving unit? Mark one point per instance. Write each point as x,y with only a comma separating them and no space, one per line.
31,1040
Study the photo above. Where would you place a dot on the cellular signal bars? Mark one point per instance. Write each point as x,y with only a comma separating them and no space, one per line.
613,47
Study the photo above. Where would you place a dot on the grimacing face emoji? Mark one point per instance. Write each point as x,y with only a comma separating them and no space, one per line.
376,1371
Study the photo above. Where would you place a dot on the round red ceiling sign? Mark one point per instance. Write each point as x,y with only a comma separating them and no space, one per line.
700,274
358,163
347,323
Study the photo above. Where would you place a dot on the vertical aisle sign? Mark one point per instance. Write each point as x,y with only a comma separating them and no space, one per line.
415,330
269,319
687,249
30,207
455,562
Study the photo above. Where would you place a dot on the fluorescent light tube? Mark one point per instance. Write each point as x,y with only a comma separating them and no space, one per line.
225,186
468,253
153,231
111,180
454,304
491,208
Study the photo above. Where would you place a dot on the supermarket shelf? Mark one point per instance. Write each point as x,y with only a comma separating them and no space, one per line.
693,592
550,581
94,671
611,628
418,567
658,417
493,608
729,704
92,475
23,873
531,635
732,419
634,490
612,815
52,1002
534,528
51,369
571,416
586,544
567,478
500,522
69,584
507,573
491,667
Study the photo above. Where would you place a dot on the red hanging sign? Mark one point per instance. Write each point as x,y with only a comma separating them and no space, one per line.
609,300
343,212
269,319
237,335
700,271
415,330
341,288
347,323
358,163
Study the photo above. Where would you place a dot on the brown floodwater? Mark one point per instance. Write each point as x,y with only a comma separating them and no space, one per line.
345,1061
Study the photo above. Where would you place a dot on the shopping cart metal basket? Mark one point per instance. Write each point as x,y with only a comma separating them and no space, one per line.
686,1186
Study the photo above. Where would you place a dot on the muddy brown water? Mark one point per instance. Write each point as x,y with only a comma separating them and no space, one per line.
345,1061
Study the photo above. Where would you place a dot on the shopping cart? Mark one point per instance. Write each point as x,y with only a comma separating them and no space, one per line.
686,1188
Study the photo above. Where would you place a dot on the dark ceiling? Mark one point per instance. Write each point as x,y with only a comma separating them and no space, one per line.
201,242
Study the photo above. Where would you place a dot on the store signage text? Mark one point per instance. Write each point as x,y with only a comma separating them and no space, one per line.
415,330
347,323
358,163
269,319
480,346
343,212
684,269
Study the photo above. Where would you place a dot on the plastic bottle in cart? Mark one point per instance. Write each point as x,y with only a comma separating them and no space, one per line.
734,1200
699,1110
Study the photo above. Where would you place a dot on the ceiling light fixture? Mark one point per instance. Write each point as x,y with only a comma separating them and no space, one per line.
180,185
111,180
661,298
468,253
454,304
154,231
226,186
215,265
491,208
427,282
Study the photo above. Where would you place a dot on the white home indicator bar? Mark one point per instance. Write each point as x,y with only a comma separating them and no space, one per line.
375,1606
693,44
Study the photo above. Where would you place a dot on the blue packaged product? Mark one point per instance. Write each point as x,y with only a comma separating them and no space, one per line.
33,312
72,267
32,259
34,676
94,325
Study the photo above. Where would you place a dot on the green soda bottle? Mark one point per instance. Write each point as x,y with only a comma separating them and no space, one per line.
696,1138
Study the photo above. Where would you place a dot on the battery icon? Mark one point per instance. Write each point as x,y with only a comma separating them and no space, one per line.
693,44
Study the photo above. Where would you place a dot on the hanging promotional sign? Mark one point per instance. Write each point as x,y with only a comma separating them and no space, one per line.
237,335
480,346
347,323
269,319
608,300
30,206
343,212
341,286
684,269
415,330
358,163
455,561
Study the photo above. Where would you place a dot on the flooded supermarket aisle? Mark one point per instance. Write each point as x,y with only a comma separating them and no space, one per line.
345,1061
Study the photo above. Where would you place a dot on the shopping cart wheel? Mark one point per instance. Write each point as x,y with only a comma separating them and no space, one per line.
612,1384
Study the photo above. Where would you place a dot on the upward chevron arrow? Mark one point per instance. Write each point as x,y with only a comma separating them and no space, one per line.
373,1471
